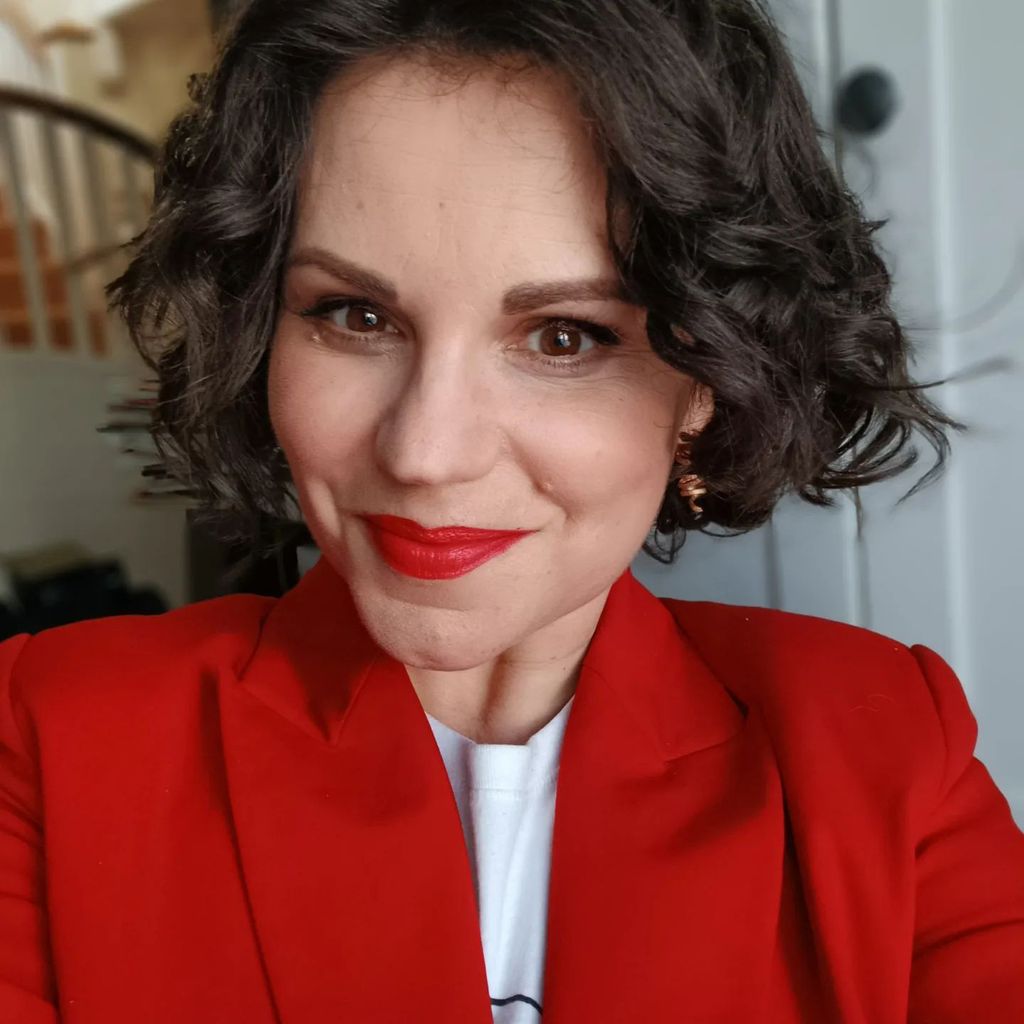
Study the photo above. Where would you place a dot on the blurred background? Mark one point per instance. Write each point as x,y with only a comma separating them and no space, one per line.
919,102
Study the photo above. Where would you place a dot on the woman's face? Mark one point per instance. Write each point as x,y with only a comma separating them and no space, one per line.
419,368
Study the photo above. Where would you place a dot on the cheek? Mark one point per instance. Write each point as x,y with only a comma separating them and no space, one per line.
320,415
596,464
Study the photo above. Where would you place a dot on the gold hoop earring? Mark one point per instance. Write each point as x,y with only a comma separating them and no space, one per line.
691,486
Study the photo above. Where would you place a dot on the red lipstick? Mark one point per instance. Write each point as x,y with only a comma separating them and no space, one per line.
439,554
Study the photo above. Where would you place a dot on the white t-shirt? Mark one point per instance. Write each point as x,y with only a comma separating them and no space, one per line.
506,799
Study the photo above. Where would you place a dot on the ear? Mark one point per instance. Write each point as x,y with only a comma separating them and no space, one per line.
696,407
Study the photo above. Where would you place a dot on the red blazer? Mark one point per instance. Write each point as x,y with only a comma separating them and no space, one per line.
236,812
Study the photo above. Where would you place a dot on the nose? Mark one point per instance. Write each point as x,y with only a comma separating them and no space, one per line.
441,427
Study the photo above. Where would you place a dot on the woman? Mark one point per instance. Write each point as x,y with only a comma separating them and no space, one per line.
490,289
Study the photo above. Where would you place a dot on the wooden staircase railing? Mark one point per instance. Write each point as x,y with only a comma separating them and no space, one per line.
74,186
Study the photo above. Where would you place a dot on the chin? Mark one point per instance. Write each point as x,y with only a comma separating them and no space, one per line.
437,639
442,654
446,663
447,650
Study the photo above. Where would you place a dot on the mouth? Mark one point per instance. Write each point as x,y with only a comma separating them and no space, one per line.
444,552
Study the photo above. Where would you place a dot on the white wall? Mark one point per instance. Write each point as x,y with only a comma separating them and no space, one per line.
981,84
61,480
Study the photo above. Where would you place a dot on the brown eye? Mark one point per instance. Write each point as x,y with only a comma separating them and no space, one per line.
560,340
359,319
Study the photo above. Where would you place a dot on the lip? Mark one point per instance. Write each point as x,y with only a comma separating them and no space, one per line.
444,552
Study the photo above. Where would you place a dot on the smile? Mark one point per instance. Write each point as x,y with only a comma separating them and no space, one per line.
442,553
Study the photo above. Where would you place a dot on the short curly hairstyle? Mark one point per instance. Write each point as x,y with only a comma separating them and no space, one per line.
727,223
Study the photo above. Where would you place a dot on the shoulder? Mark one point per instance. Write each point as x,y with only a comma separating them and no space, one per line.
770,653
790,642
73,668
835,698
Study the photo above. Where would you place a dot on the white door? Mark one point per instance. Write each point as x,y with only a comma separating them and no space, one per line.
947,567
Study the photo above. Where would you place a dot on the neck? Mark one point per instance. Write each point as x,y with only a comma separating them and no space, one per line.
509,698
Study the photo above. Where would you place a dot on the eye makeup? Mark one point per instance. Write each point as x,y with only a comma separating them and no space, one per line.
602,335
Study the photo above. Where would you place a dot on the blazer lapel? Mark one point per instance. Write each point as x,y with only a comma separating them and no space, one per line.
668,842
348,832
668,838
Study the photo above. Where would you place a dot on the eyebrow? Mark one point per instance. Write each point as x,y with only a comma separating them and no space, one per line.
521,298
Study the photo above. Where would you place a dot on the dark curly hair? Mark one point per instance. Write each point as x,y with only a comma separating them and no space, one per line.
726,222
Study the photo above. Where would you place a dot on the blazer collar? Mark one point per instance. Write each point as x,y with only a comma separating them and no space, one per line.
314,657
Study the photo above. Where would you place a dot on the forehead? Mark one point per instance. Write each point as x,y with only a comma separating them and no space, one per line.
471,174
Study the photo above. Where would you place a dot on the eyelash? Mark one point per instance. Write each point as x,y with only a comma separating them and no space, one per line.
604,336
